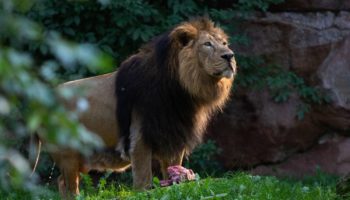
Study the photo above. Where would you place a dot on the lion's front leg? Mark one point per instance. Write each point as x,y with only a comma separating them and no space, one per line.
165,163
140,156
141,163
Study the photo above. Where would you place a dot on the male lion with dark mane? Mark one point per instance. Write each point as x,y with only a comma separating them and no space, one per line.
156,106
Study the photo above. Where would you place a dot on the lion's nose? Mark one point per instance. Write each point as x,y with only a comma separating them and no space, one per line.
228,56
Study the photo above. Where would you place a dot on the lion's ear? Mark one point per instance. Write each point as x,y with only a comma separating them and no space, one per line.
183,34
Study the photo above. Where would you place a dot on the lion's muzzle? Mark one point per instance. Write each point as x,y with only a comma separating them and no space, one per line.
230,71
228,56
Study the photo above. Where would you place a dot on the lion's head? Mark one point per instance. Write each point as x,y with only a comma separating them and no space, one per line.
204,56
201,41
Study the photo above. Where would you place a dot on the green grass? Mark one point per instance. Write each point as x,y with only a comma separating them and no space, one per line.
238,186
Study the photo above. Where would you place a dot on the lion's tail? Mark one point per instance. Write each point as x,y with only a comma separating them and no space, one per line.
34,151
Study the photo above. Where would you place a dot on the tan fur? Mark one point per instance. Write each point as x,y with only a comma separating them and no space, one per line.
196,78
197,66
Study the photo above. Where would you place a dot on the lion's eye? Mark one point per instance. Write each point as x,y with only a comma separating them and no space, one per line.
208,44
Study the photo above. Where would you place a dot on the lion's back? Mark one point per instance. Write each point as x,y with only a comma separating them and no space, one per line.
99,91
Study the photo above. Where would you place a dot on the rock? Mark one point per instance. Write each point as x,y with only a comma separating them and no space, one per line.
303,38
297,5
269,38
333,117
330,155
314,20
296,41
335,73
305,61
342,20
272,32
312,5
254,130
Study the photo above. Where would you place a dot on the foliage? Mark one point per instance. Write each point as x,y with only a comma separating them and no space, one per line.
232,186
202,160
343,187
120,27
28,101
255,73
257,4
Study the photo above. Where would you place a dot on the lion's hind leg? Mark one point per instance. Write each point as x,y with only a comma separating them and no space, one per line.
68,186
69,164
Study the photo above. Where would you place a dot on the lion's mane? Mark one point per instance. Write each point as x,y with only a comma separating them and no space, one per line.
174,102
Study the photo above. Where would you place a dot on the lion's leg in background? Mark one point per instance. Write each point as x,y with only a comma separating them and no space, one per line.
69,164
61,185
68,186
165,163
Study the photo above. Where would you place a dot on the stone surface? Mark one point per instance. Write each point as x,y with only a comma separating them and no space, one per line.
296,41
335,73
333,117
254,131
330,155
315,20
313,5
272,32
342,21
305,61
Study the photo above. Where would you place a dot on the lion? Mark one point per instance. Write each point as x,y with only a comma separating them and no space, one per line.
155,106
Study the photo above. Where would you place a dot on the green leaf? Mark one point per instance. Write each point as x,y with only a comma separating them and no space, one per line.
34,122
156,181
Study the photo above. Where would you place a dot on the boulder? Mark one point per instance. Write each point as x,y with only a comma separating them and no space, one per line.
312,5
256,132
297,41
331,155
335,73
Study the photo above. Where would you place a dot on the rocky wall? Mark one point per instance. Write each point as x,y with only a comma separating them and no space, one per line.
311,38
